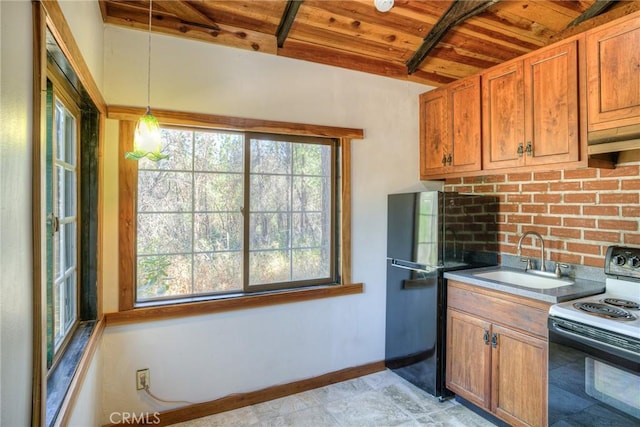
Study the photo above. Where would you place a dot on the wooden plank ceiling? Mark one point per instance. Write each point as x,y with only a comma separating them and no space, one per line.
427,41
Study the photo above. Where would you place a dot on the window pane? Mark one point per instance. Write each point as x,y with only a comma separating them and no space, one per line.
164,233
219,152
70,302
309,229
269,231
270,193
217,272
269,267
163,276
273,157
311,159
218,192
70,139
310,264
310,194
218,232
164,191
69,257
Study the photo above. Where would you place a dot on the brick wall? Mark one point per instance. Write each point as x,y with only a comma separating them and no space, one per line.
579,213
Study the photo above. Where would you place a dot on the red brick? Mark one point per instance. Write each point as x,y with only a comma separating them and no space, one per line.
564,186
535,188
494,178
601,210
610,184
547,176
509,249
453,181
631,239
631,211
511,208
519,198
620,171
619,198
547,220
463,189
593,262
472,180
565,209
583,248
579,222
547,198
580,173
501,219
519,219
487,188
543,231
520,176
508,228
612,224
571,233
631,184
534,208
568,258
508,188
580,197
602,236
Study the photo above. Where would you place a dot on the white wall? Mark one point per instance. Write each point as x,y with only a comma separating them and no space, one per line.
15,212
206,357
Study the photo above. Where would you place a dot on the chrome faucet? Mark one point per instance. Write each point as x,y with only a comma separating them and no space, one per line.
528,261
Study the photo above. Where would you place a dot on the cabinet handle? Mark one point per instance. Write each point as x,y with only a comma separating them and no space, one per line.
450,159
444,160
494,340
486,337
520,149
529,149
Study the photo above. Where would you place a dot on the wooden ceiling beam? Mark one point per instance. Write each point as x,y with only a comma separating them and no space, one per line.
459,11
596,9
288,16
187,13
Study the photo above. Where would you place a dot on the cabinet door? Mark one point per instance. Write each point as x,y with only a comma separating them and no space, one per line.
551,105
433,132
519,378
464,118
613,70
468,357
503,116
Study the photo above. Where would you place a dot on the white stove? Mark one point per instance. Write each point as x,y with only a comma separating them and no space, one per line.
618,309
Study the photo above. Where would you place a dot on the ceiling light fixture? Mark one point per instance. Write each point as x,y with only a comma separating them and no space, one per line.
383,5
146,139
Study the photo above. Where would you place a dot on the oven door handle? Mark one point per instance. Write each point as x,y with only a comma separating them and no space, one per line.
590,342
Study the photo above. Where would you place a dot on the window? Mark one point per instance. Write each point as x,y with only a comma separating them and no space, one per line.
64,222
232,212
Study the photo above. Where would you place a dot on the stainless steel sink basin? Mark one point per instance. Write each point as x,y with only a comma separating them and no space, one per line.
527,280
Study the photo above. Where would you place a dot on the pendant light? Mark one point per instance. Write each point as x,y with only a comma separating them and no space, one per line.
383,5
146,139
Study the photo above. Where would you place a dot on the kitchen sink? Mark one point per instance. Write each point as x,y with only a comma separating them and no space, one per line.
527,280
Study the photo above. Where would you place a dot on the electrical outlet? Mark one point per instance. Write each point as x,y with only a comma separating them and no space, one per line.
143,379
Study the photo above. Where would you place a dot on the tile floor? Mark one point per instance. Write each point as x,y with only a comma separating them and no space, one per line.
377,400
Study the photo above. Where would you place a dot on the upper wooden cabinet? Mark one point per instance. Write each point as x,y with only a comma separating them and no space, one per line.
613,74
450,129
530,109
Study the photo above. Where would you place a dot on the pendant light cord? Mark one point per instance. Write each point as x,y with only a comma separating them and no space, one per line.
149,59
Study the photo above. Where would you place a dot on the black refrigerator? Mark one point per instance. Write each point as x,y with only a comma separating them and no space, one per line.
429,233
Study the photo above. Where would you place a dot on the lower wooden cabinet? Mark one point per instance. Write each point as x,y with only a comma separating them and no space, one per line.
497,353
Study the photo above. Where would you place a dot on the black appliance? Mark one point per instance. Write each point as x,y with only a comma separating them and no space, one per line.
429,233
594,350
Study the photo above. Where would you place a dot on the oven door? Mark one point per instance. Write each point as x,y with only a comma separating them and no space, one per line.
594,376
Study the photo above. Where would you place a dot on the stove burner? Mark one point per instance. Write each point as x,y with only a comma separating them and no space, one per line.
624,303
603,310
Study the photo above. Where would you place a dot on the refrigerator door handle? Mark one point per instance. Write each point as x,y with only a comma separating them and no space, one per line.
408,265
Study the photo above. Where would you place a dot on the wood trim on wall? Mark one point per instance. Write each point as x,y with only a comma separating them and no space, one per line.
240,400
119,112
345,220
61,31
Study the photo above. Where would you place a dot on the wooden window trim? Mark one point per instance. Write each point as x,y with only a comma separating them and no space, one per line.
127,171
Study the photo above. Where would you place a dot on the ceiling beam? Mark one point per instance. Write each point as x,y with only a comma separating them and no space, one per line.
187,13
596,9
288,16
459,11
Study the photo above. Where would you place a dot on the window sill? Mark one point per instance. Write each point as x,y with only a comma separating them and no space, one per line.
160,312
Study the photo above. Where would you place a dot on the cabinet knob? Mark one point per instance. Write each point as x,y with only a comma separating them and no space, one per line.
520,149
529,148
486,337
450,159
444,160
494,340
